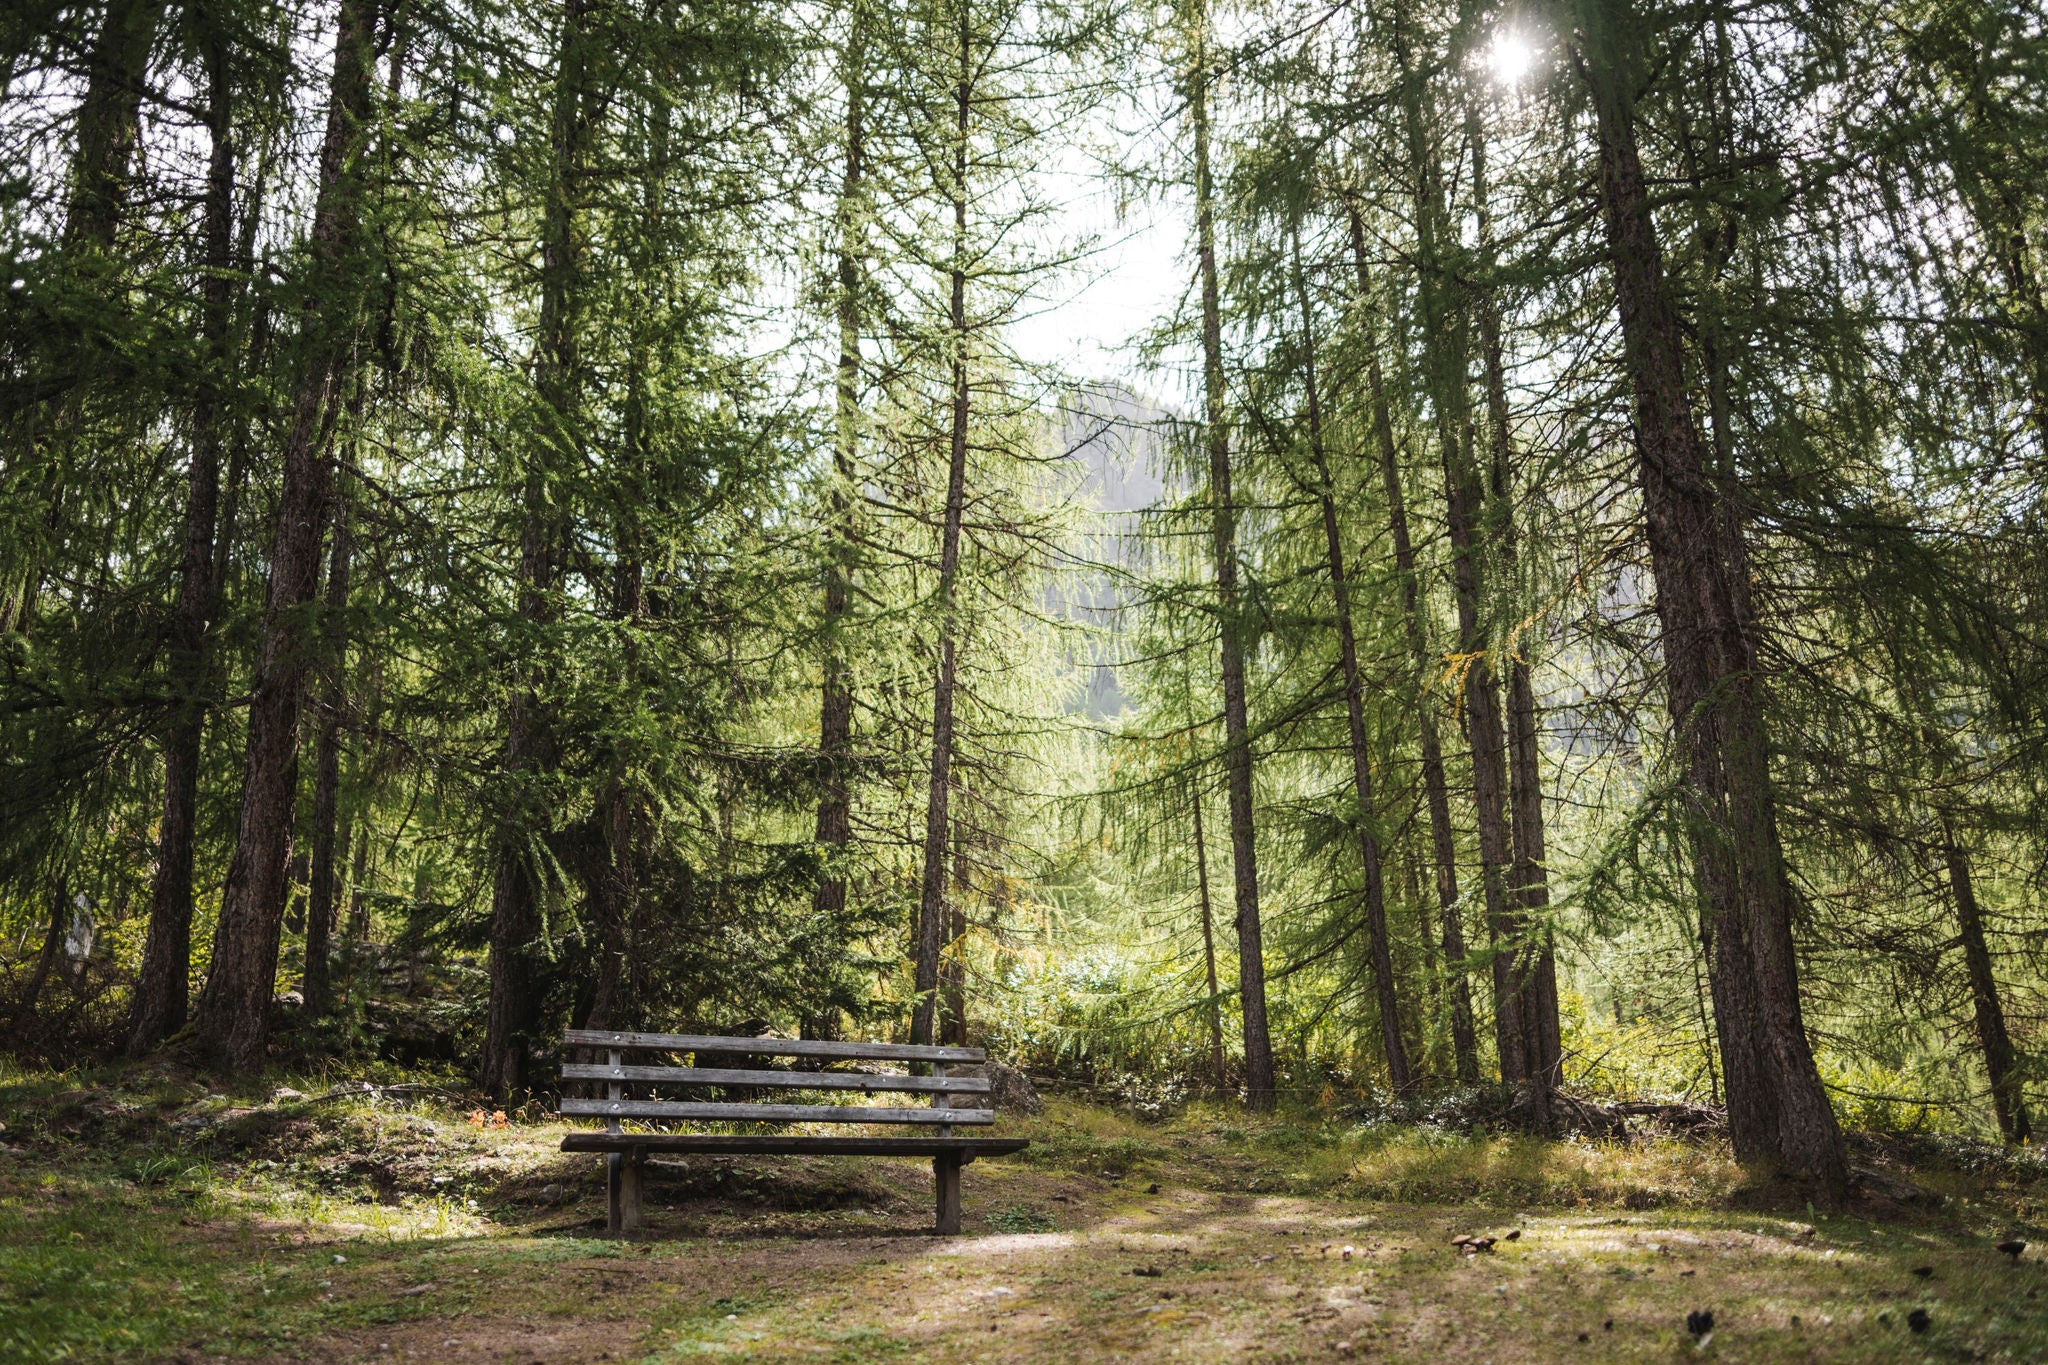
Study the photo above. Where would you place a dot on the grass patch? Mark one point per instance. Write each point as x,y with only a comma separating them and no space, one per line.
1017,1218
162,1218
1417,1166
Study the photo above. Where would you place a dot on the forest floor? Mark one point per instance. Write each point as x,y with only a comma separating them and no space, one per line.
147,1216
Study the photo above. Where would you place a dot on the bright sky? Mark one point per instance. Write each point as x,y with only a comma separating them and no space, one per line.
1133,279
1145,261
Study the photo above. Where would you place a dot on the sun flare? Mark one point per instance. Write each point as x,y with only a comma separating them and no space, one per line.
1511,57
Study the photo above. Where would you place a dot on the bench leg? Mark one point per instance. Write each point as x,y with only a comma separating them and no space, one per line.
946,1179
614,1162
631,1171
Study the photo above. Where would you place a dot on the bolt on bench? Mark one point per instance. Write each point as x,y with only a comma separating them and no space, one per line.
626,1153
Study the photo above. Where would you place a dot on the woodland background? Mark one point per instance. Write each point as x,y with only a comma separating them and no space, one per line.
514,516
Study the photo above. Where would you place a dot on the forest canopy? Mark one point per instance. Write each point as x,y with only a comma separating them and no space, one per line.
515,517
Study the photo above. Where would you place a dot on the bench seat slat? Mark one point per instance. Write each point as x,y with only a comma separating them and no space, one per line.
769,1113
777,1080
773,1047
794,1144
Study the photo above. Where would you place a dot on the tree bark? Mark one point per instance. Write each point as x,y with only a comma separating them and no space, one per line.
2001,1061
1777,1108
107,125
513,1022
324,895
1385,993
357,842
932,894
109,122
233,1015
1215,1010
614,891
1534,960
1445,356
834,829
46,959
621,820
162,988
1436,789
1237,753
953,964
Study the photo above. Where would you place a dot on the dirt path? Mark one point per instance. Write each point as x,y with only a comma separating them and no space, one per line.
1194,1275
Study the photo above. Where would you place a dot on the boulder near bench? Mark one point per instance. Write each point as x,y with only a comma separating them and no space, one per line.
626,1153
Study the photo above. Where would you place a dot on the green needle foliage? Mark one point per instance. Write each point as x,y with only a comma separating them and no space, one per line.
524,517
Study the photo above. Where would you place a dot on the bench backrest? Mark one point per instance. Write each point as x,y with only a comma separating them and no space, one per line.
616,1074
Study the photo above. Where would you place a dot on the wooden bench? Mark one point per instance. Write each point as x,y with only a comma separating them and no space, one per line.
626,1153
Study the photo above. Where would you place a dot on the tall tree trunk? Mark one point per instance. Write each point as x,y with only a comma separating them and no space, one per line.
1443,837
108,123
621,816
1208,942
613,891
1370,854
513,1020
1445,356
1778,1110
161,990
953,965
932,894
233,1015
2001,1062
834,830
362,832
1534,959
324,896
620,821
46,960
1237,752
2002,200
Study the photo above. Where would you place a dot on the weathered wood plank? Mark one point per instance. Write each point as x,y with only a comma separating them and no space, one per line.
772,1047
792,1144
777,1080
769,1113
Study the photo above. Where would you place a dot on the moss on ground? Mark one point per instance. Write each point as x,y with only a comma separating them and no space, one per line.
147,1215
